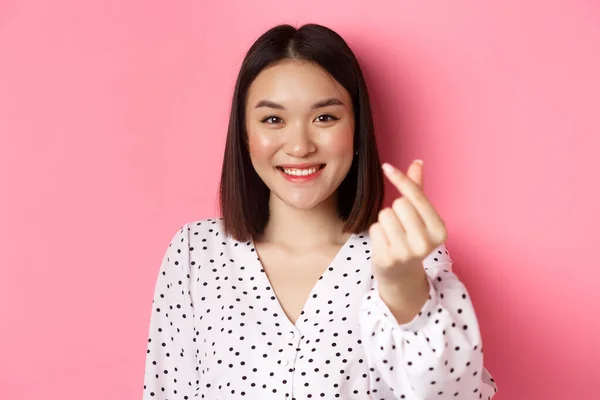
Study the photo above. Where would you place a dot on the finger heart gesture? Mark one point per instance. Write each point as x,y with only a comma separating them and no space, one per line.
408,231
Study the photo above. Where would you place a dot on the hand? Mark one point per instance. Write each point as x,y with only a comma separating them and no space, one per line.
408,231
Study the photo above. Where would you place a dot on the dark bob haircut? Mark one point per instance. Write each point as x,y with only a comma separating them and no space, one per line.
244,197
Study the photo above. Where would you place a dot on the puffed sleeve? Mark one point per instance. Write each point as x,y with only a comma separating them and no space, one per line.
172,368
437,355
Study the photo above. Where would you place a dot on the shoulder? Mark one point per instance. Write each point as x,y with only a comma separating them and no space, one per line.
196,232
196,240
206,227
205,234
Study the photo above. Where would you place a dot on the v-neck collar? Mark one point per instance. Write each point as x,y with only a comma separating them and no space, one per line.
330,268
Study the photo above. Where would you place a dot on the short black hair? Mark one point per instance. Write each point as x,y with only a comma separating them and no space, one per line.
243,196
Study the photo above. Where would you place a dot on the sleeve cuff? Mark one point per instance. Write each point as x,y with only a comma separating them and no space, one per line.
417,322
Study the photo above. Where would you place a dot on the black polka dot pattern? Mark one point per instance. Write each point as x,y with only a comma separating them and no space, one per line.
217,330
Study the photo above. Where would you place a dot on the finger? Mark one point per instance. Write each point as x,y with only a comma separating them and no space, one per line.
394,231
414,193
415,172
408,216
379,242
417,235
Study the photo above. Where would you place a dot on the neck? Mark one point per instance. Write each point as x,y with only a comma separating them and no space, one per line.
299,229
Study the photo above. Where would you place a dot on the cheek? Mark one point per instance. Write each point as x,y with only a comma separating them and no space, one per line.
339,142
261,144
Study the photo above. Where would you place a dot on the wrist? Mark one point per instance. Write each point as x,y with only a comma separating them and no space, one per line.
404,279
406,295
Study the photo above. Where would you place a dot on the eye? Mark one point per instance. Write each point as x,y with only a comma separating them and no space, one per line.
326,118
271,120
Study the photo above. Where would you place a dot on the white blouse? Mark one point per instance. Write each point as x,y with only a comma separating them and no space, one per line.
217,330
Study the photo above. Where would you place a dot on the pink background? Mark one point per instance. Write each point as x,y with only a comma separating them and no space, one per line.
113,118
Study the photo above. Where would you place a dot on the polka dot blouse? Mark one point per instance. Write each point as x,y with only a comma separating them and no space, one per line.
217,330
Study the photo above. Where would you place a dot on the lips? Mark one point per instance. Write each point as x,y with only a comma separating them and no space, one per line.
317,168
304,167
301,166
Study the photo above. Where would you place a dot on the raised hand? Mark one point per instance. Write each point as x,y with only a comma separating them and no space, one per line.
403,236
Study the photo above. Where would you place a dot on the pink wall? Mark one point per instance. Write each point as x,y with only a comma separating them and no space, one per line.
112,122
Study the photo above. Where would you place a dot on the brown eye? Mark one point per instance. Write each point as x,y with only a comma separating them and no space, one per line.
271,120
326,118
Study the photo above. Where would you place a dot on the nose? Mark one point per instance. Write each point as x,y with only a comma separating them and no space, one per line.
299,142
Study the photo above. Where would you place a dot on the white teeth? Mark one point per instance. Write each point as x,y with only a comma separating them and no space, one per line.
300,172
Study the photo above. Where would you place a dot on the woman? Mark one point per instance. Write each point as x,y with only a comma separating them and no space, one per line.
305,288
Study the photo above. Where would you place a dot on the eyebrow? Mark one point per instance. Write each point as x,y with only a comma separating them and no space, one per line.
320,104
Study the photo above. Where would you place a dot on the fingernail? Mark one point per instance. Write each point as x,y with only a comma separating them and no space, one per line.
418,161
387,168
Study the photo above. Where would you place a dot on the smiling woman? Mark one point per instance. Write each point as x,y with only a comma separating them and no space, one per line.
303,133
305,288
300,98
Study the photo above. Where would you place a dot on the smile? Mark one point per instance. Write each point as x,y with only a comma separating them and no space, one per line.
301,174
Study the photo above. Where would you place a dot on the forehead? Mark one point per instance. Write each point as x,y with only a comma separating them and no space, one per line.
295,82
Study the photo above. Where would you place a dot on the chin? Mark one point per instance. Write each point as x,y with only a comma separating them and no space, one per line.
302,206
301,202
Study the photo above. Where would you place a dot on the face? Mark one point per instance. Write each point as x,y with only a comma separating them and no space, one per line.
300,127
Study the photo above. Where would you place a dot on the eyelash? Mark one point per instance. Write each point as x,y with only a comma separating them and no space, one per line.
331,118
328,115
264,120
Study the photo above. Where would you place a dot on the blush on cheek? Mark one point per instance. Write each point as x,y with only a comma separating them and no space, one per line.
339,142
261,145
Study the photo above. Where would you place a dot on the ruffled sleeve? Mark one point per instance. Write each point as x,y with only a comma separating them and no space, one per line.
172,368
437,355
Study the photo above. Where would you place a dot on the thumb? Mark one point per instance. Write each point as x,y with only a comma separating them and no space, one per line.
415,172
